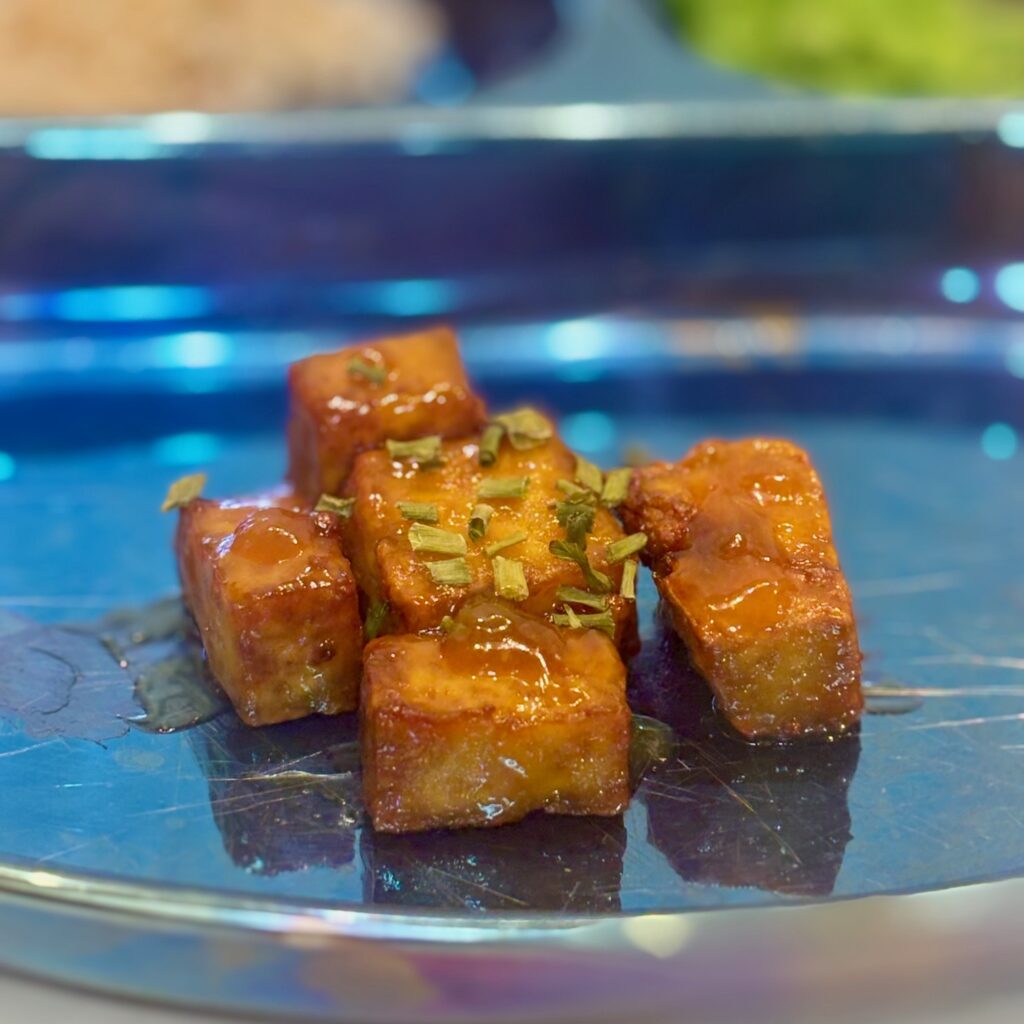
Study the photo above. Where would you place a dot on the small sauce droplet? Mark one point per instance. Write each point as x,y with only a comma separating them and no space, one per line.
885,700
264,545
650,742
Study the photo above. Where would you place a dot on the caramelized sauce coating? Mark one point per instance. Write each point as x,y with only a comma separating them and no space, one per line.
276,605
337,412
503,715
741,544
389,570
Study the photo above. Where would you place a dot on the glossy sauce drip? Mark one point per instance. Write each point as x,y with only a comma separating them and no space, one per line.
743,540
263,544
270,548
269,542
736,564
518,657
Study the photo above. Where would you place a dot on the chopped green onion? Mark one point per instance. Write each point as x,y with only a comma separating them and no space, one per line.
506,542
184,491
452,572
616,487
436,541
621,549
589,475
361,368
479,519
526,428
447,624
490,442
421,511
573,595
510,580
503,487
341,507
599,620
576,519
628,587
575,493
376,616
572,619
425,451
570,552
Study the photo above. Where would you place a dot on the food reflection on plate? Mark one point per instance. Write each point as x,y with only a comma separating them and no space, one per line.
727,812
541,863
285,798
722,811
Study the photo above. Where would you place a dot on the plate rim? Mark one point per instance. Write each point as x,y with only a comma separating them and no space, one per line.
417,130
205,909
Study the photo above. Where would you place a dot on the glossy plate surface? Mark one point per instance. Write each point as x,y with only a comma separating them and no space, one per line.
914,427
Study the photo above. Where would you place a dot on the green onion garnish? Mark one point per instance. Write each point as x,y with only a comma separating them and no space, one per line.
503,487
570,552
526,428
589,475
509,579
628,587
573,595
616,487
341,507
490,442
479,519
361,368
506,542
376,616
621,549
571,618
599,620
425,451
576,519
447,624
420,511
452,572
184,491
573,492
436,541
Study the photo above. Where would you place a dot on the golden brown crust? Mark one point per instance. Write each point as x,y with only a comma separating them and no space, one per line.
276,605
336,413
741,545
655,507
388,569
502,716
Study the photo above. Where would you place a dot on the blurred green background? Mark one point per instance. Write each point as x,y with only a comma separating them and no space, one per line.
858,47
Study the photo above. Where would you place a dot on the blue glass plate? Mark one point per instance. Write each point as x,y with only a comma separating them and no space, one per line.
915,427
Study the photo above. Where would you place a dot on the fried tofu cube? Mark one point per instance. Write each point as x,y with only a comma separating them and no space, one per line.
503,715
390,571
276,605
741,544
399,388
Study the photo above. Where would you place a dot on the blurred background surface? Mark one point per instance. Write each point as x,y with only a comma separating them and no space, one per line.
520,159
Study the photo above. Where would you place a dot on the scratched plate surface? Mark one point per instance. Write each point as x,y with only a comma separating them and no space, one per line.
918,456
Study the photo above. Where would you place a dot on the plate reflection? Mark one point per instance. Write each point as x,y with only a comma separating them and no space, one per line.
727,812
